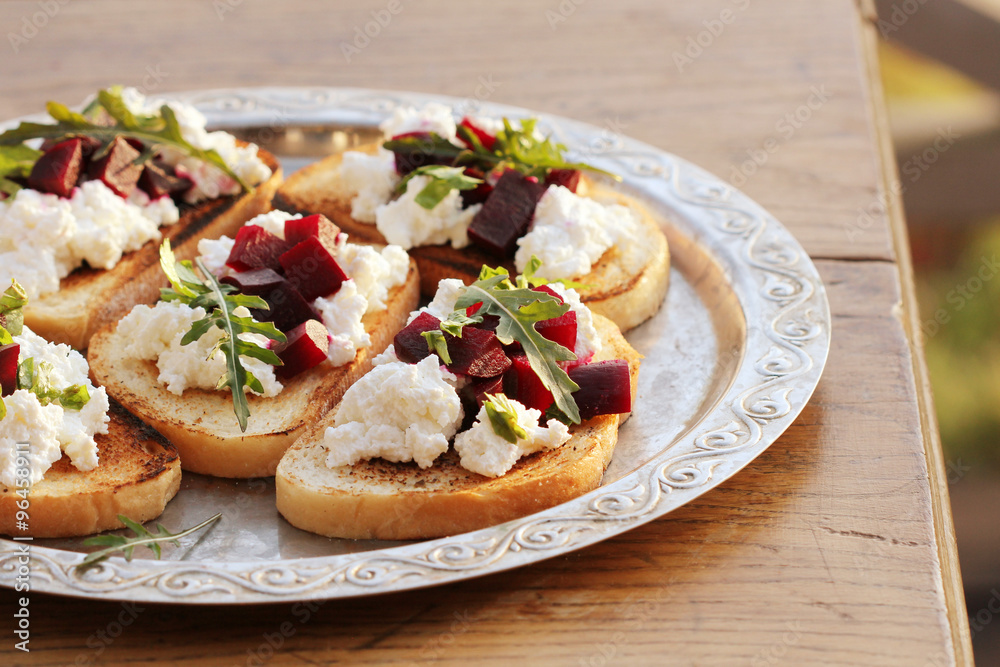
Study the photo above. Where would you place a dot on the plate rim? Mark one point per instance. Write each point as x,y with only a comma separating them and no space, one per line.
787,346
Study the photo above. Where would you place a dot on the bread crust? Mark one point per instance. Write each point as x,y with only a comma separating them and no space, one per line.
378,499
626,294
138,473
88,299
201,423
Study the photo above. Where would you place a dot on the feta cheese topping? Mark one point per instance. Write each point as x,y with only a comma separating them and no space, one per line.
399,412
44,237
485,452
155,333
569,233
50,429
433,117
369,180
406,223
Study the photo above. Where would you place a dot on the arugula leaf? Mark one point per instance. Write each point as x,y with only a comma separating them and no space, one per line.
519,308
143,538
220,302
38,380
503,418
153,131
443,180
12,302
16,162
437,344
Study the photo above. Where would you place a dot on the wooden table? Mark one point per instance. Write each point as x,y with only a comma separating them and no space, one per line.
835,547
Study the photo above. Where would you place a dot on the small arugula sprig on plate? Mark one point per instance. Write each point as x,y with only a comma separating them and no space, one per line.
104,119
142,538
518,149
220,302
519,307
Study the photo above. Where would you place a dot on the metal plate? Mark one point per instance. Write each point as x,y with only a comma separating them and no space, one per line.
731,359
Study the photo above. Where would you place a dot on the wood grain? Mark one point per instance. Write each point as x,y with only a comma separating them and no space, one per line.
832,548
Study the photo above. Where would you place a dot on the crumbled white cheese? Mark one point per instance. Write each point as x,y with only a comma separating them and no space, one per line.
486,453
51,430
342,315
43,237
209,181
588,342
368,180
375,272
443,303
274,221
569,233
432,117
406,223
398,412
155,333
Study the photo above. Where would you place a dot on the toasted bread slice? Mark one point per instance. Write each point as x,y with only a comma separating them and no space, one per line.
138,473
89,298
378,499
201,423
626,294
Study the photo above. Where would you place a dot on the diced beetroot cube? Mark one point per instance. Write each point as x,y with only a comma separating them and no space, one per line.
307,346
311,268
8,368
568,178
118,168
409,344
317,225
257,248
605,388
489,323
479,387
473,309
478,353
560,330
58,170
506,215
417,155
485,138
159,180
287,307
480,193
548,290
524,385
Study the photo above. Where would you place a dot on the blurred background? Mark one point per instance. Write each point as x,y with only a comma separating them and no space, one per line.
941,75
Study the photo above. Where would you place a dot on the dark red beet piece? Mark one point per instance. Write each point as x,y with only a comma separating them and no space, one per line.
307,346
480,193
479,387
485,138
58,170
560,329
317,225
417,155
258,282
159,179
605,388
548,290
568,178
478,353
506,215
117,168
288,308
312,269
257,248
409,344
8,368
523,384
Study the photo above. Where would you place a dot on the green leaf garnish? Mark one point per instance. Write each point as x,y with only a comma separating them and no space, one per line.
12,302
220,302
16,162
142,538
514,148
154,131
437,344
38,380
503,418
518,308
443,180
